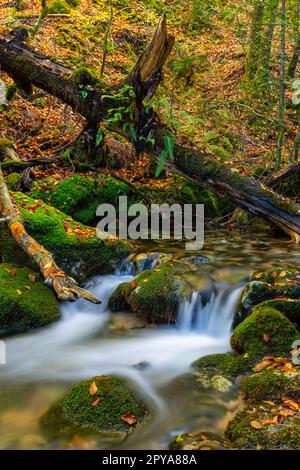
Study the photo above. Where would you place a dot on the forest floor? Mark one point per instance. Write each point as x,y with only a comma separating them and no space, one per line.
203,96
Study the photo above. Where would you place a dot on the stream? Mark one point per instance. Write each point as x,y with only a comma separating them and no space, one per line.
89,340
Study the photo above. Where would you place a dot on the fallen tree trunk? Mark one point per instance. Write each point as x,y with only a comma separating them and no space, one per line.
206,170
64,286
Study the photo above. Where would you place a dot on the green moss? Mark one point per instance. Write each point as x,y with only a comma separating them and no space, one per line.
228,363
79,196
284,435
118,300
270,385
85,76
25,301
115,400
289,307
277,282
265,332
13,181
75,247
154,294
58,7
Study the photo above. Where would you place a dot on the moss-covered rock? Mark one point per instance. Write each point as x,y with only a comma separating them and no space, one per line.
267,431
199,440
271,385
25,301
79,196
103,404
272,284
289,307
266,332
75,247
230,364
155,294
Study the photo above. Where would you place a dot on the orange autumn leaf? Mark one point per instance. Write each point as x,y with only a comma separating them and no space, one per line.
258,276
93,388
133,284
256,424
282,274
266,337
129,419
96,402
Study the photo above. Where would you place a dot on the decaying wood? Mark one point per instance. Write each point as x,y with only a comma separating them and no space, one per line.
204,169
65,287
282,175
147,72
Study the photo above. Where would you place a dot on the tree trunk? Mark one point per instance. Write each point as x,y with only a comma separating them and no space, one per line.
255,38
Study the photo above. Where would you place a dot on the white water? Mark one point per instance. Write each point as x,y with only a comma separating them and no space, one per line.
78,346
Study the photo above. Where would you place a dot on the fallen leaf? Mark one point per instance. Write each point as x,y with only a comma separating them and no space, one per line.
129,419
256,424
258,276
203,437
282,274
19,292
96,402
93,388
133,284
32,277
266,337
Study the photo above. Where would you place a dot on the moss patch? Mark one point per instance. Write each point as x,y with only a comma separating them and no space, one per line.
266,332
285,435
79,196
274,283
25,301
271,385
228,363
75,247
102,412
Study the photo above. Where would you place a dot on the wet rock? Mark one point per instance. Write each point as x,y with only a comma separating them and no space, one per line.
217,382
221,384
142,365
199,440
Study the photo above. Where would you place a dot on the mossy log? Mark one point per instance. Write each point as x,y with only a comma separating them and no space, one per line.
64,286
19,60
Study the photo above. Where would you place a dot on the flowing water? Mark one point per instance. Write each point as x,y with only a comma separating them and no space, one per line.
89,340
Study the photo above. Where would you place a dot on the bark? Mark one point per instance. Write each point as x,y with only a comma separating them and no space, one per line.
282,175
255,38
202,168
64,286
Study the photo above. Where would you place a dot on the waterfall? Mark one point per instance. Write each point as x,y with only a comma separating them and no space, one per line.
213,318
